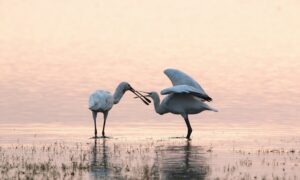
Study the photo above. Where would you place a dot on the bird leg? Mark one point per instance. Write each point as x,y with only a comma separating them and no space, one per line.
186,118
95,117
105,116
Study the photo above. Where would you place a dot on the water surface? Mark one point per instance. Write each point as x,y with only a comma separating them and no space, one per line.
53,54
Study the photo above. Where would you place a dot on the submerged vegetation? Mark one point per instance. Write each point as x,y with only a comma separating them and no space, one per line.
147,159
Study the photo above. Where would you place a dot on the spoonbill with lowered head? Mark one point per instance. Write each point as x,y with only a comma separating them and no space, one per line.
102,101
184,98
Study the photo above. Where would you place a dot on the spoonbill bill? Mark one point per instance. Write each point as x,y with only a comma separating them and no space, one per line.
185,97
102,101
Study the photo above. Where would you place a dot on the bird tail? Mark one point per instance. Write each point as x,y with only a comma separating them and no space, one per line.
213,109
207,107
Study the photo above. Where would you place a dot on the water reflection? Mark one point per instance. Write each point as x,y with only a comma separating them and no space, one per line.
165,160
99,161
183,162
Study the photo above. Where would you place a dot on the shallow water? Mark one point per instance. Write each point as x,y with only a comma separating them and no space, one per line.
228,153
213,152
53,54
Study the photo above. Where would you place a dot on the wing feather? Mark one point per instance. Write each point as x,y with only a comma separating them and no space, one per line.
178,77
100,100
185,89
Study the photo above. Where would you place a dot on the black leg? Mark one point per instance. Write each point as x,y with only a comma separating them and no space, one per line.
186,118
105,116
95,124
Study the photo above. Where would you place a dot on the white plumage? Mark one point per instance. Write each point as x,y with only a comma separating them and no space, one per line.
184,89
184,98
180,78
102,101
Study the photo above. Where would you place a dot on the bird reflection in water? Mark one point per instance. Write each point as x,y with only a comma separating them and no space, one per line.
170,160
183,162
99,161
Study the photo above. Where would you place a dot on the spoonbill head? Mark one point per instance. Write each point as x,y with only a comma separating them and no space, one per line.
102,101
185,97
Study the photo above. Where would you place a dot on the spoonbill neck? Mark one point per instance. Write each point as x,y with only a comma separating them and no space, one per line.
156,102
119,92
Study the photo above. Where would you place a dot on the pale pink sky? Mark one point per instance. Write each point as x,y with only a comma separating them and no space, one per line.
53,53
260,26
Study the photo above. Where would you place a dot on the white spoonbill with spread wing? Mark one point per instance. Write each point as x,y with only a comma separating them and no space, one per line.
102,101
184,98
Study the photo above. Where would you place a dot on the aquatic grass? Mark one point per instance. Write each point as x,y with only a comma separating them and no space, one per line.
145,159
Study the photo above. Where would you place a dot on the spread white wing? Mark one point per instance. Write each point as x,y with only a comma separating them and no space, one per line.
180,78
184,89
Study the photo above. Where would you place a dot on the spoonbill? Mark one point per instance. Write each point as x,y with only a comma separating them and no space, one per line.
185,97
102,101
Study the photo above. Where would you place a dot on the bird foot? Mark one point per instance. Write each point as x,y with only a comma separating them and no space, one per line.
178,137
188,138
99,137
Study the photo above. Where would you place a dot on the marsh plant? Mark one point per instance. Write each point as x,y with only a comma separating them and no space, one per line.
147,159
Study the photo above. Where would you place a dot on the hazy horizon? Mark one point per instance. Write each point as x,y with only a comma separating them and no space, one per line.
55,53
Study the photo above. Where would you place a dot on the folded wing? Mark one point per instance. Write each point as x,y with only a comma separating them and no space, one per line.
100,100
